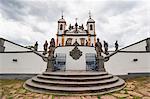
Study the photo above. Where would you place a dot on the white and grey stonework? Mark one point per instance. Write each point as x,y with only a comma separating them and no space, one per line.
75,71
85,36
74,83
77,67
24,66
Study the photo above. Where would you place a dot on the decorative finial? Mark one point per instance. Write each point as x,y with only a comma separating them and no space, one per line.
89,14
62,14
76,24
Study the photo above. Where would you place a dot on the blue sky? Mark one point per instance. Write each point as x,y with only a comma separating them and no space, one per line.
27,21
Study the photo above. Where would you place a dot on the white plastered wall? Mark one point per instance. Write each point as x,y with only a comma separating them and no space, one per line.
27,63
59,40
92,40
122,63
72,64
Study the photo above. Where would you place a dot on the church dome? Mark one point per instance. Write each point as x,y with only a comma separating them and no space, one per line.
61,20
90,20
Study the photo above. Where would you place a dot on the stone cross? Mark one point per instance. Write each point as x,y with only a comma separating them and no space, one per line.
90,14
62,14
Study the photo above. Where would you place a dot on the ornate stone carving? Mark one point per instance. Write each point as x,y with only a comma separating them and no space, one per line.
75,53
51,59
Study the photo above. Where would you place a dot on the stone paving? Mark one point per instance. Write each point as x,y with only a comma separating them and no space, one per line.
137,88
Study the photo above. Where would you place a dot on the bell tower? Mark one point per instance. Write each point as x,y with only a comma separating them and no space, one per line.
91,25
91,31
60,31
61,25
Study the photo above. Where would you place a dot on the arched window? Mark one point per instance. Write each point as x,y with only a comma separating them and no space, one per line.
61,27
82,41
69,41
91,27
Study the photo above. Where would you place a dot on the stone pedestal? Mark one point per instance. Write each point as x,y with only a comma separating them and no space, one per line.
100,62
50,65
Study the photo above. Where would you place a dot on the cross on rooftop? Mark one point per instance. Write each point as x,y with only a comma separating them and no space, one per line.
62,14
76,19
90,14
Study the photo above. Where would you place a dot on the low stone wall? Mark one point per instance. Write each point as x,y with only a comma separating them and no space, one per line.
134,75
17,76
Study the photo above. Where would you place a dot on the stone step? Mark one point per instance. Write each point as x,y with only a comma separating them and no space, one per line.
73,90
75,74
75,83
63,83
74,78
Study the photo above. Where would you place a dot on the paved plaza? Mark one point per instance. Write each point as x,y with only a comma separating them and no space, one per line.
136,88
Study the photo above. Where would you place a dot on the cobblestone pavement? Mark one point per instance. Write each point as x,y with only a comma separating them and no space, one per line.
137,88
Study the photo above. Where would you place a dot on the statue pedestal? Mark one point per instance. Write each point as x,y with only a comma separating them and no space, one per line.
50,65
100,61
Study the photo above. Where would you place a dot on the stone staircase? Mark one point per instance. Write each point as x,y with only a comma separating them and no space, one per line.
74,83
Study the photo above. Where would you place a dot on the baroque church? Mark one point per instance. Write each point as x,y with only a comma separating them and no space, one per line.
84,36
74,64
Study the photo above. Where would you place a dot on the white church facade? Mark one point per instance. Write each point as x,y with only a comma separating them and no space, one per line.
85,37
76,33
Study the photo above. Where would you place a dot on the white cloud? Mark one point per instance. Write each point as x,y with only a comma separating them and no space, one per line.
28,21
